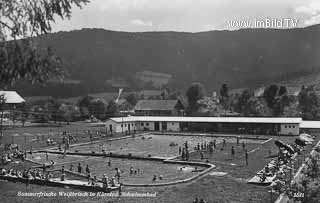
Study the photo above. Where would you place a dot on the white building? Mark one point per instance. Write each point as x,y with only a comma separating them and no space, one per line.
282,126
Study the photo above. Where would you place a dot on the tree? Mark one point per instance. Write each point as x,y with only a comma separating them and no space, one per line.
195,92
308,103
20,57
84,111
41,114
270,94
282,90
208,106
53,106
224,97
224,91
97,108
242,104
85,101
132,99
256,107
277,99
113,109
69,112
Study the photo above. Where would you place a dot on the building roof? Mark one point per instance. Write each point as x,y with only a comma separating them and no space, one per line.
150,93
278,120
310,124
162,105
294,91
12,97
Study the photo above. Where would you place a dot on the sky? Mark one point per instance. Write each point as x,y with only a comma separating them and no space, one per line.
188,15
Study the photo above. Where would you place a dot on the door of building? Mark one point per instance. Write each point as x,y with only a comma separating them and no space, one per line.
156,126
164,126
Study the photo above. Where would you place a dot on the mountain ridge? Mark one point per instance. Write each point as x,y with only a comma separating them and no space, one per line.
241,58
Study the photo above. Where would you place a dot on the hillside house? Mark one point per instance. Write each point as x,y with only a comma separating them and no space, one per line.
159,108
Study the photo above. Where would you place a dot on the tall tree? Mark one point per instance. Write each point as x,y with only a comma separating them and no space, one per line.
69,112
308,103
270,94
85,101
242,104
98,108
132,98
195,92
20,57
113,109
282,90
225,97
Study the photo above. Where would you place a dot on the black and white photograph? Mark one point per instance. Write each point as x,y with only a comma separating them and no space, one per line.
160,101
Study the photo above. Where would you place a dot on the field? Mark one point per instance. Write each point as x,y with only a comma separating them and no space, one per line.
227,182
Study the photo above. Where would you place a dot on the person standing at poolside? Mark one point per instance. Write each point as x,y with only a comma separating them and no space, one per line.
247,157
79,168
118,174
201,155
71,167
47,156
44,168
232,152
87,169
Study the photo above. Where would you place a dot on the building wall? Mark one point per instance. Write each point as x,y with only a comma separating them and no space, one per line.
173,126
154,113
145,125
285,129
120,127
289,129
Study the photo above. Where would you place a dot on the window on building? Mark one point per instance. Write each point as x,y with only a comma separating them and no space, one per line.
172,123
285,126
141,124
132,124
293,126
147,124
289,126
121,125
125,125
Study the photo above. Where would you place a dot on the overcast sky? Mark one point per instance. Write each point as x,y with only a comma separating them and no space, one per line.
185,15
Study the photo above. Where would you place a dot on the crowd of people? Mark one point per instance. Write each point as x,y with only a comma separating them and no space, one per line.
210,147
9,156
197,200
28,174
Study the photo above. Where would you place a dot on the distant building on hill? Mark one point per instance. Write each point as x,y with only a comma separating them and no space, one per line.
117,83
157,79
159,108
